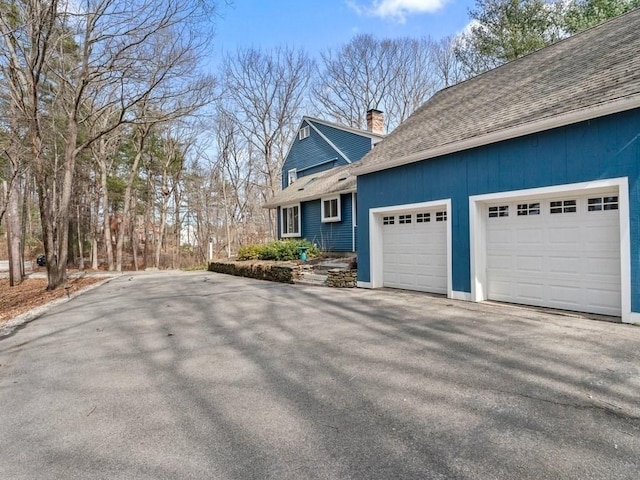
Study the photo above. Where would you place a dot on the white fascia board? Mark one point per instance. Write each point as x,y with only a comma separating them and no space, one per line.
576,116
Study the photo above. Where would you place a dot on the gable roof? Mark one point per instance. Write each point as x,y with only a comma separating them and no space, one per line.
330,182
375,138
591,74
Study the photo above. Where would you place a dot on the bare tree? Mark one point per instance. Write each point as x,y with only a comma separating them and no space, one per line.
265,94
394,76
27,30
448,69
105,55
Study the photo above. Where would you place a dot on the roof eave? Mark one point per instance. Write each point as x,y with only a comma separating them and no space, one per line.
575,116
309,198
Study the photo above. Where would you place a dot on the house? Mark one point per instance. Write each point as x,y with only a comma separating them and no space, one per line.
318,196
520,185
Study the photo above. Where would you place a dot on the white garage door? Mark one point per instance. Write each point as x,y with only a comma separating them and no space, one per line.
561,253
415,250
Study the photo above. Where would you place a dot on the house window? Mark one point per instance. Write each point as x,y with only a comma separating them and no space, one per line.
303,133
423,217
404,218
388,220
602,203
528,209
499,211
331,209
290,221
441,216
292,176
563,206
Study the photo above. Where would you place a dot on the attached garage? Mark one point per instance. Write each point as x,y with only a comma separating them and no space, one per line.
414,250
559,250
538,161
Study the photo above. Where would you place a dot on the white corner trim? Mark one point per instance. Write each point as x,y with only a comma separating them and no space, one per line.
464,296
477,232
364,285
633,318
376,273
576,116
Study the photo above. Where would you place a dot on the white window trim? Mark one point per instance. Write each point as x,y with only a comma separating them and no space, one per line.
292,176
290,235
336,218
477,233
376,272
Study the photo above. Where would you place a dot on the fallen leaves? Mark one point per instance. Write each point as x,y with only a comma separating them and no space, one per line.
33,293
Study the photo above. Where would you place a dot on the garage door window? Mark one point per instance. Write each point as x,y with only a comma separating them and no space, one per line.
441,216
528,209
602,203
423,217
388,220
563,206
499,211
404,218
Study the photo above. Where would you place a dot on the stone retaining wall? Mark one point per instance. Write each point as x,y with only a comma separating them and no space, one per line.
283,273
337,278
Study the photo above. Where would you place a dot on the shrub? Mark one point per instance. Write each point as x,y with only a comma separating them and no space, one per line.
278,250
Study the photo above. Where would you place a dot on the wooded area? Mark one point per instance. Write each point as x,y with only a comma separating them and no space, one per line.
121,150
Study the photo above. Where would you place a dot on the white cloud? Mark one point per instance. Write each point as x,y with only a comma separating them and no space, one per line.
397,10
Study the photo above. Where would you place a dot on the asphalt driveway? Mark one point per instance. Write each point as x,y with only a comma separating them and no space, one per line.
206,376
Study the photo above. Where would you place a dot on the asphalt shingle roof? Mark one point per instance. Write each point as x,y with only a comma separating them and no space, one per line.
595,67
311,187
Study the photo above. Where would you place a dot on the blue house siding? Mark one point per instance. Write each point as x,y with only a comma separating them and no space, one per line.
313,152
332,236
607,147
354,146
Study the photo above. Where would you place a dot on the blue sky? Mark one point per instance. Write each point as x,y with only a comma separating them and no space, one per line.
315,26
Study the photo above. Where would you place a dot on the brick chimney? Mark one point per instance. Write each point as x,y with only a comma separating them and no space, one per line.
375,121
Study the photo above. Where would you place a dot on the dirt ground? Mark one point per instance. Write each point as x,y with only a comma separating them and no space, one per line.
33,293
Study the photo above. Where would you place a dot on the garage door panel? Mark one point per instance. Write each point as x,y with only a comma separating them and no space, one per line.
563,236
499,237
529,291
525,236
567,265
568,260
531,263
500,262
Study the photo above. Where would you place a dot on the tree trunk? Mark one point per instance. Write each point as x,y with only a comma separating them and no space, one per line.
106,221
14,244
126,208
80,242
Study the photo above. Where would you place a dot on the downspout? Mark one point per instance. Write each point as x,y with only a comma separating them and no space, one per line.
353,222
